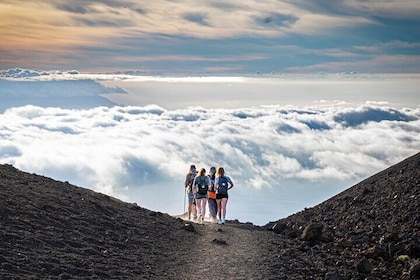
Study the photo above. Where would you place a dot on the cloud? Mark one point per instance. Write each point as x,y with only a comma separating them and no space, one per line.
375,62
198,18
68,89
132,146
212,36
406,9
9,150
367,114
371,8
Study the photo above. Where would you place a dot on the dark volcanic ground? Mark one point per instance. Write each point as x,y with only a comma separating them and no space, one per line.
54,230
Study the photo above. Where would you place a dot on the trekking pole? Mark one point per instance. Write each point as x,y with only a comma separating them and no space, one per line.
185,198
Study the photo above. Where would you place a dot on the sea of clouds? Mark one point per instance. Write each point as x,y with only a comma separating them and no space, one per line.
281,158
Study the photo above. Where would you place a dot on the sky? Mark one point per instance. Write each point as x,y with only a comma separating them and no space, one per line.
288,143
211,37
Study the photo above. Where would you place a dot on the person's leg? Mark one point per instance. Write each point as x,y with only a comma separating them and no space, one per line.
209,205
212,207
215,209
194,208
203,208
198,206
223,205
190,205
219,201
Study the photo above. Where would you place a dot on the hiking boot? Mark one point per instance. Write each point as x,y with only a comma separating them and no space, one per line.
202,221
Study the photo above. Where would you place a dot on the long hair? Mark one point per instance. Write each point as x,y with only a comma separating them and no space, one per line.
202,172
220,172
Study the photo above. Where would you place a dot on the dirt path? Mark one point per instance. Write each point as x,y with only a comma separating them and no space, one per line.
229,251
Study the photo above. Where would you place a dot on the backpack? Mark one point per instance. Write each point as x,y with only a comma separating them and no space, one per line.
203,187
222,186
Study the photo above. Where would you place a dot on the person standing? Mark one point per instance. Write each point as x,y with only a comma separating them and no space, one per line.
222,183
212,194
189,179
200,188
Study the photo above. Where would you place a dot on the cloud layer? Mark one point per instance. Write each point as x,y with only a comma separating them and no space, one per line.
280,157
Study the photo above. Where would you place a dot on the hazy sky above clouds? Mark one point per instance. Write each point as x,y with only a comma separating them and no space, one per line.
211,36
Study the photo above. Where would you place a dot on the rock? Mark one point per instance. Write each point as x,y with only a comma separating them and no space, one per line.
278,227
219,241
374,252
364,266
327,235
332,276
415,251
189,227
415,271
313,233
293,234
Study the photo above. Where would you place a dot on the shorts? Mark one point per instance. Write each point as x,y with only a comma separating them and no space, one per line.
200,196
221,195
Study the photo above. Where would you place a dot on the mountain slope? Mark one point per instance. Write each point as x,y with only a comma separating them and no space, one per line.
51,229
371,228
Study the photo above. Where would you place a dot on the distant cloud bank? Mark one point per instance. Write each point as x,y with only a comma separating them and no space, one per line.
115,148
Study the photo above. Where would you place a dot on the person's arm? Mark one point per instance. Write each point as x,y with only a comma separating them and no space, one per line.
231,183
216,183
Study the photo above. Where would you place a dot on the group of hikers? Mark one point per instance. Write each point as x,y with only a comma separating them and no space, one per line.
212,188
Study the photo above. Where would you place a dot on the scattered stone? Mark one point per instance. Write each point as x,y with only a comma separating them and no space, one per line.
219,241
332,276
374,252
364,266
134,206
415,250
278,227
415,271
313,233
327,235
189,227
